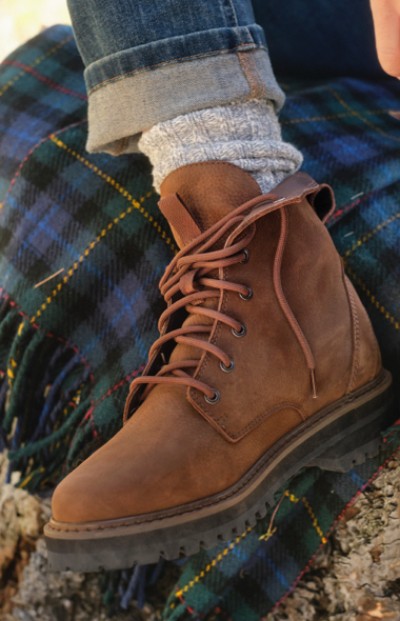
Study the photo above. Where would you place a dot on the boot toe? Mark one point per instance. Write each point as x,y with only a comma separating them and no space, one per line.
75,499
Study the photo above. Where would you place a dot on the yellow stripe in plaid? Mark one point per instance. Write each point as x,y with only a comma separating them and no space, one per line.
221,555
360,242
123,191
134,204
37,62
365,238
359,116
291,497
314,520
391,319
310,512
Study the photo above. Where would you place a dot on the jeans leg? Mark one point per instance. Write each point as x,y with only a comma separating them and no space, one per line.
151,60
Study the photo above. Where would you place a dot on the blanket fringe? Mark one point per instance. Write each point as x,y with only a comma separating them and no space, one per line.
122,588
44,395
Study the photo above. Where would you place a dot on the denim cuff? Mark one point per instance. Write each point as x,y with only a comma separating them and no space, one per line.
158,53
131,91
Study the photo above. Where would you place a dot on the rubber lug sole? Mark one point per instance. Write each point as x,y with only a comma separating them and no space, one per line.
337,438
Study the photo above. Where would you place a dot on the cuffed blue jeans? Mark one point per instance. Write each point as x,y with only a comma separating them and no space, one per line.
151,60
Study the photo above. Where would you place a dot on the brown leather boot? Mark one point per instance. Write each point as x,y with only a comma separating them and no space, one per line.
266,363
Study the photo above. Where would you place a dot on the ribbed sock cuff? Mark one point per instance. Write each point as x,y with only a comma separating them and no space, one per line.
246,134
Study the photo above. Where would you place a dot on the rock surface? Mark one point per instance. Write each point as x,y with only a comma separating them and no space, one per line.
356,577
20,524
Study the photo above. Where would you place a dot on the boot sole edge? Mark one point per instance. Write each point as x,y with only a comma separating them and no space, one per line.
349,432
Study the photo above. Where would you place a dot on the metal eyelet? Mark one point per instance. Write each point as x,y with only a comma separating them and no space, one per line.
214,399
227,369
246,255
248,295
241,332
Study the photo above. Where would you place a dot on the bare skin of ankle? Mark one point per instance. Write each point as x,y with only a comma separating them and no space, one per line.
386,15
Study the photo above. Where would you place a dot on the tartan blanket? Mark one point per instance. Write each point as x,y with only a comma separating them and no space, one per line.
82,247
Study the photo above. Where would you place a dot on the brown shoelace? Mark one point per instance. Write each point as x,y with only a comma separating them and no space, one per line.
196,274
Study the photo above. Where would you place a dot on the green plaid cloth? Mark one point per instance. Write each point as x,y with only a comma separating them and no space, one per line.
86,229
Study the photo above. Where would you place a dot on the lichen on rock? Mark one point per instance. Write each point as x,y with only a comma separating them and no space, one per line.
21,521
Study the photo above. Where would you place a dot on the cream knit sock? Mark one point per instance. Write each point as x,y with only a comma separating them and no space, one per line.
246,134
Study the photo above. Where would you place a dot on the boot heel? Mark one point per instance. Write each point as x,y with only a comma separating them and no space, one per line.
358,435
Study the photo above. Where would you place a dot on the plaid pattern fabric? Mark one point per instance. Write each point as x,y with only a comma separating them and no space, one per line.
94,218
69,347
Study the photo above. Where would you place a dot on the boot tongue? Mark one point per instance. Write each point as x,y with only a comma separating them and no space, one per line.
196,196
